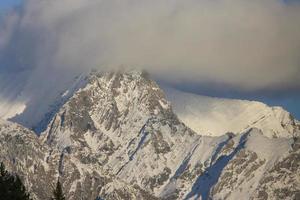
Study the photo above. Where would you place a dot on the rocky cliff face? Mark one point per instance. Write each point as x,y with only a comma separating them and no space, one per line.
122,123
118,138
40,166
23,153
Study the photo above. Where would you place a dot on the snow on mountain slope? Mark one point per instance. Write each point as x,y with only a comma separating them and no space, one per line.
33,102
242,174
40,166
117,137
216,116
235,170
23,102
22,152
122,123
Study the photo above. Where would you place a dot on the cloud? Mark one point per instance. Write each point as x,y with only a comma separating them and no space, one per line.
248,45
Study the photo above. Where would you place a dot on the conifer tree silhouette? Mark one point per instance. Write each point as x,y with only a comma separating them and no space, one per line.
58,192
11,186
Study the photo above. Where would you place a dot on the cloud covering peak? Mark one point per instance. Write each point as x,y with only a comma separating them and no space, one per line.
248,45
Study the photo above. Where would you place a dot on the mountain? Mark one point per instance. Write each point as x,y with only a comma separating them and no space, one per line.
30,99
117,137
216,116
40,167
23,153
32,102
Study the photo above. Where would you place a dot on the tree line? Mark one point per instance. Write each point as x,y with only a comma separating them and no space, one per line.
12,187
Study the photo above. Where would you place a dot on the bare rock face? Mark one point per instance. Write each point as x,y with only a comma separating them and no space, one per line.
282,180
40,166
120,123
23,153
118,138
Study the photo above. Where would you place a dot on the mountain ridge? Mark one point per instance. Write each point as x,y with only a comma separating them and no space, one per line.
216,116
117,137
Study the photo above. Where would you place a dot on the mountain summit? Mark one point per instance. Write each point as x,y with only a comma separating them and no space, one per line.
117,137
216,116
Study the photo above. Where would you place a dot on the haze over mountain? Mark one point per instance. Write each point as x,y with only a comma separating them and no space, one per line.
71,37
139,99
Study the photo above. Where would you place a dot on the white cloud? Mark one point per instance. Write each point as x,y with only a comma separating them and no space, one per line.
248,45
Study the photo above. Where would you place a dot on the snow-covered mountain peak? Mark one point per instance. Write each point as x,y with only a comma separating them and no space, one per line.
116,137
124,88
216,116
113,102
116,121
127,87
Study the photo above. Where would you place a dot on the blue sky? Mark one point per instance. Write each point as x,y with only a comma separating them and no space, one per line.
287,99
8,4
4,4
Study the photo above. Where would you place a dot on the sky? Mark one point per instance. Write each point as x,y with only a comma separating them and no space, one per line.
229,48
7,4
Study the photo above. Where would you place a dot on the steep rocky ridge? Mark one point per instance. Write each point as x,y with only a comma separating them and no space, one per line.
40,167
117,137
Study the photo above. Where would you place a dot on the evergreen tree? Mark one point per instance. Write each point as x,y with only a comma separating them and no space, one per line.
3,171
58,192
11,186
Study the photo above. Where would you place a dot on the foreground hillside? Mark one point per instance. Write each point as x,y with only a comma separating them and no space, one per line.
117,137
